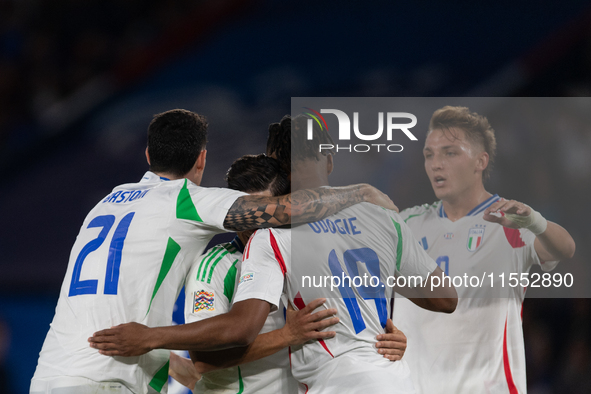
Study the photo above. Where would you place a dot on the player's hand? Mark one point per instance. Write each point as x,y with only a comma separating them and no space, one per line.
183,371
392,344
130,339
506,206
376,197
303,325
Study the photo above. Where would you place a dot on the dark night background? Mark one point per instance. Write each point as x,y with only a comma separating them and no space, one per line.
80,81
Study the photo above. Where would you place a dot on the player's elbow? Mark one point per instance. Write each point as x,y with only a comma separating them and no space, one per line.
565,251
448,305
443,295
203,367
570,249
448,300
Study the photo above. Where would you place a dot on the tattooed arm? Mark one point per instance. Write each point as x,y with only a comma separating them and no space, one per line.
302,206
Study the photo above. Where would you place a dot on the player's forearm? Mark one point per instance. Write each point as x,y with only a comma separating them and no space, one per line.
217,333
310,205
443,298
239,327
264,345
302,206
437,293
556,242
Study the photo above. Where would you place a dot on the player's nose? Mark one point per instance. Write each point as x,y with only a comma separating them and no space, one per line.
436,162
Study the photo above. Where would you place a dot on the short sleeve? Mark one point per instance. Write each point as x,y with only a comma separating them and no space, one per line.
210,285
262,274
411,258
413,212
208,205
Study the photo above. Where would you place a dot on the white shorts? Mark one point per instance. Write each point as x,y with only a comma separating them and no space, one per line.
76,385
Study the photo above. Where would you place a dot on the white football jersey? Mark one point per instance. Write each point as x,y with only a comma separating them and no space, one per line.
128,264
366,243
478,348
209,289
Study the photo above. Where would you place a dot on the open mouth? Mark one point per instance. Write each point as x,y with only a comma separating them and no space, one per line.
438,180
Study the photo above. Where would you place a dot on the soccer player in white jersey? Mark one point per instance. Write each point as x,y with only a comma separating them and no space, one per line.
479,348
363,239
134,250
211,284
210,290
243,322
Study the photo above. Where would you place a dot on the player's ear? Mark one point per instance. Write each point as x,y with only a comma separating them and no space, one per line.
329,164
201,160
482,161
196,173
147,156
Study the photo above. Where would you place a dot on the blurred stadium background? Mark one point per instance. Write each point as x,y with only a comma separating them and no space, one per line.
80,81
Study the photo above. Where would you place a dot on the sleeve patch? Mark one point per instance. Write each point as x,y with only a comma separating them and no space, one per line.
246,277
203,301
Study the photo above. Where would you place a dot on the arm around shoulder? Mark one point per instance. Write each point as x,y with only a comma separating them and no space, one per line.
302,206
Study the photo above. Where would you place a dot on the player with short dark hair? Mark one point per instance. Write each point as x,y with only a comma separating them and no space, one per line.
210,288
257,173
135,248
478,349
175,139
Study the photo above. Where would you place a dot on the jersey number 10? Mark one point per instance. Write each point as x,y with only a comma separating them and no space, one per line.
89,286
377,292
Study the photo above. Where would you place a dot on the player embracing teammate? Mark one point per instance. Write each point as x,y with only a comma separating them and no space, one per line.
135,249
376,241
479,348
380,243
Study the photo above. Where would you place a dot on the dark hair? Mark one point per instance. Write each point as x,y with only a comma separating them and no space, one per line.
175,140
256,173
279,142
285,145
476,128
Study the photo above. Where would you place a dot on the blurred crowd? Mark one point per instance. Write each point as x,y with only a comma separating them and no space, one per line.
557,331
4,347
548,165
51,49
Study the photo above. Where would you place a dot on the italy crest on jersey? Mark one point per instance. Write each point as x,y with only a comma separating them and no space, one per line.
475,237
203,301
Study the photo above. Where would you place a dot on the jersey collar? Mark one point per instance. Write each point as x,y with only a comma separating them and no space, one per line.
475,211
150,177
237,243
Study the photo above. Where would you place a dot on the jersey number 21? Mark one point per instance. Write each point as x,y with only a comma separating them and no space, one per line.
89,286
